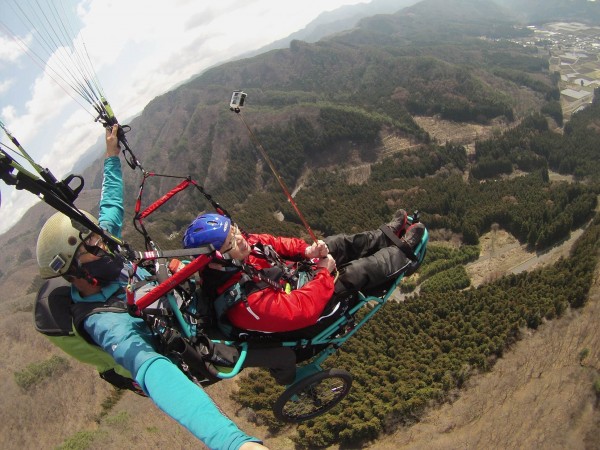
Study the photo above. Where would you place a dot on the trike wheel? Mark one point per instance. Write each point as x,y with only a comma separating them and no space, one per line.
313,395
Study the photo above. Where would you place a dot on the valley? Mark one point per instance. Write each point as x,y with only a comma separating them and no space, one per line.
541,391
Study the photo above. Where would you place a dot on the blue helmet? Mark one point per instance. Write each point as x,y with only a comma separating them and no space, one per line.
207,229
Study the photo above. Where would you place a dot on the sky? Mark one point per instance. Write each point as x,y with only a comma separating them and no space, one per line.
139,49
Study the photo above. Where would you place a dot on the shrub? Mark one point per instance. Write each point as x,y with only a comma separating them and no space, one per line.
449,280
24,255
596,387
119,419
80,441
583,354
35,373
408,285
110,401
36,284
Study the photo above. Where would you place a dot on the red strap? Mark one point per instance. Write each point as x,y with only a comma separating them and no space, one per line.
173,281
150,209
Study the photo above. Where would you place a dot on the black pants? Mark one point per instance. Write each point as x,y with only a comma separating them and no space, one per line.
281,362
365,260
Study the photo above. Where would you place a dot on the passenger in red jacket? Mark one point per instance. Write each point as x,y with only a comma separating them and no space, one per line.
279,284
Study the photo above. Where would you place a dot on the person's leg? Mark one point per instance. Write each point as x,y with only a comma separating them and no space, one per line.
348,247
379,268
372,271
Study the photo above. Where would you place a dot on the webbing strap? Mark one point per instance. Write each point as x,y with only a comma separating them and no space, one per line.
139,216
169,284
161,201
258,275
400,243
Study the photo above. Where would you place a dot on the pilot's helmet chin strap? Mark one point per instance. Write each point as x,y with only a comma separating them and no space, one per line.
79,272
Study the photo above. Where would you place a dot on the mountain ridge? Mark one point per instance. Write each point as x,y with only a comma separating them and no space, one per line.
346,97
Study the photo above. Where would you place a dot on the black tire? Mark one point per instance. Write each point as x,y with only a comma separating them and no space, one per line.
313,395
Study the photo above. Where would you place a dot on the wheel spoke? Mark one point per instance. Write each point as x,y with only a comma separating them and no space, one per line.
313,396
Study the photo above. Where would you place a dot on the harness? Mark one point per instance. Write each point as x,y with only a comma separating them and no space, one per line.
56,318
62,321
280,276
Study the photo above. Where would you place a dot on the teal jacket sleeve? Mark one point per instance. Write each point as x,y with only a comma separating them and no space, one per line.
129,341
111,203
189,405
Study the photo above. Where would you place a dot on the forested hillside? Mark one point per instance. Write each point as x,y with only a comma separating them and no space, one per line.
419,351
333,103
322,111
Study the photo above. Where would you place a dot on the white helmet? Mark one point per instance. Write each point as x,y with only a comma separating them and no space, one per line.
58,242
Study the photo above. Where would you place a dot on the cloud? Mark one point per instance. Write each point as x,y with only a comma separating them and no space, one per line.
11,49
47,102
139,49
13,207
8,113
77,134
5,85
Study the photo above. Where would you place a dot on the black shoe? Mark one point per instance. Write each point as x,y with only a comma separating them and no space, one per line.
398,222
414,234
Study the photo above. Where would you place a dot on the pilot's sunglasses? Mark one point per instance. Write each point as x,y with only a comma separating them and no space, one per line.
96,248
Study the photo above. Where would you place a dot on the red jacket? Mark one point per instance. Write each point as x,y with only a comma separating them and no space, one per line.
276,310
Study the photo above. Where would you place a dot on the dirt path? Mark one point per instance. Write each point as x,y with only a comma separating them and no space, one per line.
548,256
501,254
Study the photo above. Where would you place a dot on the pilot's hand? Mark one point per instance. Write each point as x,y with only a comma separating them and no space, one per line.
316,250
328,262
252,446
112,141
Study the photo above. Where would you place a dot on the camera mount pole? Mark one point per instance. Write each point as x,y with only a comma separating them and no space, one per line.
277,176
